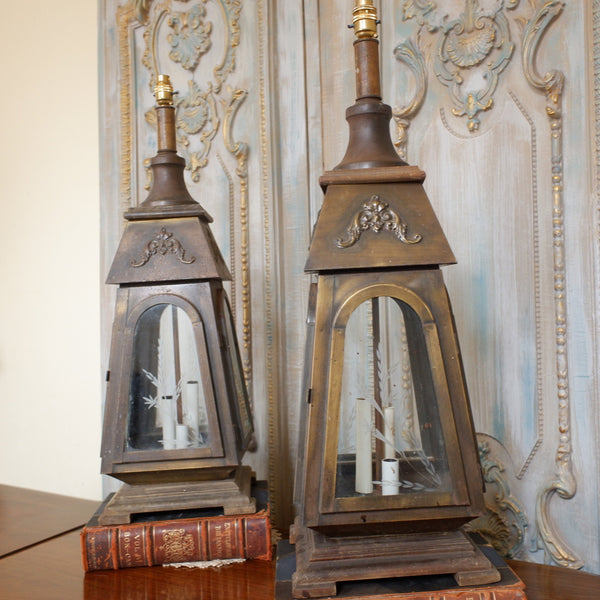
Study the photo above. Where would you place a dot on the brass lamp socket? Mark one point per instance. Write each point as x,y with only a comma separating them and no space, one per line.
163,91
364,19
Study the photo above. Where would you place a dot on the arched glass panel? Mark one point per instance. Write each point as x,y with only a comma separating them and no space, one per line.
167,403
390,436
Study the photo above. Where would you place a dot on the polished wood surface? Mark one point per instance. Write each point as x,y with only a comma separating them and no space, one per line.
53,571
28,516
544,582
52,568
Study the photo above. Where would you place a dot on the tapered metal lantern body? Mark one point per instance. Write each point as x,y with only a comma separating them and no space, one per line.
389,468
177,416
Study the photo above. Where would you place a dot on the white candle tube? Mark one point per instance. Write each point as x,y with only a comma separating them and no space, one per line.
363,482
390,477
166,405
191,417
181,436
389,432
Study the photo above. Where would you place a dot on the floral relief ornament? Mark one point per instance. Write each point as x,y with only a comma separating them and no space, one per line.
190,38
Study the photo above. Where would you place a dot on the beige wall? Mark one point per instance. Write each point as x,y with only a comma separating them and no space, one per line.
50,381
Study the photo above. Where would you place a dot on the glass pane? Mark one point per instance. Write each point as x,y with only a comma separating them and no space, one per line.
390,436
242,406
167,405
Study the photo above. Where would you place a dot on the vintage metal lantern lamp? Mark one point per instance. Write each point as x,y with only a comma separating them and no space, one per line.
177,417
388,469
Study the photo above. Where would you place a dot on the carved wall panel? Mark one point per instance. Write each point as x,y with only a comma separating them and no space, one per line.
485,121
494,100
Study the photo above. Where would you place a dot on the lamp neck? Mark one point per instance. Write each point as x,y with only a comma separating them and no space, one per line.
169,196
370,143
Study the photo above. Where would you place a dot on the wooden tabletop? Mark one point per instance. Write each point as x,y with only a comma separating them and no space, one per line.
52,569
28,517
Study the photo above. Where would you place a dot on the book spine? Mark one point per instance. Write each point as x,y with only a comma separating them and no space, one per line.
257,537
142,544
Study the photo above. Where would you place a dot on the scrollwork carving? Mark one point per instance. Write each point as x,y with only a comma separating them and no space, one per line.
409,53
190,38
504,522
475,40
564,483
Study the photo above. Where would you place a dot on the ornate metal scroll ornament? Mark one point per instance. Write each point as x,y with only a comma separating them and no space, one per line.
564,483
376,216
163,243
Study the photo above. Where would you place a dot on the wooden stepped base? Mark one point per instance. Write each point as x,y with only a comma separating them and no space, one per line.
396,571
232,494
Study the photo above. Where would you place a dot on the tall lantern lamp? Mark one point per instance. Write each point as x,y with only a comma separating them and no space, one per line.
177,417
388,463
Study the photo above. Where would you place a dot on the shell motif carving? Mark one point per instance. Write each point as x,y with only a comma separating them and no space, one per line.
468,45
476,46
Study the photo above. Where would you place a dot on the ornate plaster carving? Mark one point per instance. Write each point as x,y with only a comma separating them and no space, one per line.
409,53
505,521
190,38
472,51
563,483
486,41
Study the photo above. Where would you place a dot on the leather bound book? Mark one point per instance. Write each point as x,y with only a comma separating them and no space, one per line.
185,536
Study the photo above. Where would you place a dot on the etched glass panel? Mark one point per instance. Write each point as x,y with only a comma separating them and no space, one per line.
167,403
390,436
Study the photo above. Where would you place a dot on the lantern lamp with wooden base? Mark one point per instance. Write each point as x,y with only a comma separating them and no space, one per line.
177,417
388,467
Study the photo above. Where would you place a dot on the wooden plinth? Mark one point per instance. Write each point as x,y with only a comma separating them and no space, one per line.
323,561
429,587
232,494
